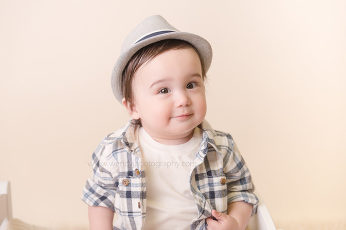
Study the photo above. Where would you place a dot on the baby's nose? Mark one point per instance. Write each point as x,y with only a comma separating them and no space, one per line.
182,98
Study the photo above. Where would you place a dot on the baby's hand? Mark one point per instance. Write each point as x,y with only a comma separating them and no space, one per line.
222,222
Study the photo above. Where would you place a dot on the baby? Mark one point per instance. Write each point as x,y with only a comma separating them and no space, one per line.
167,168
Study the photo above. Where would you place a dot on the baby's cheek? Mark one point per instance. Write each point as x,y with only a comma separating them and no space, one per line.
161,117
202,108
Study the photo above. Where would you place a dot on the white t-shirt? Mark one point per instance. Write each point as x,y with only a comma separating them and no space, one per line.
170,204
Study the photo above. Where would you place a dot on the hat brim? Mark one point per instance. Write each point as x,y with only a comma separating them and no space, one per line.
201,44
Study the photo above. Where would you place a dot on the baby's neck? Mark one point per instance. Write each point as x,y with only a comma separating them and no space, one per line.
173,141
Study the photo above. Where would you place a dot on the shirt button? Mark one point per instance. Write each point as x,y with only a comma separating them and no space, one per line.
139,204
223,181
126,182
137,172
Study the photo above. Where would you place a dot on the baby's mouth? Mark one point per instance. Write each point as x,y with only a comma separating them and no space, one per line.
183,116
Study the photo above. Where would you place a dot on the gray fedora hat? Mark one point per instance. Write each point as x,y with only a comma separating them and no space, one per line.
152,29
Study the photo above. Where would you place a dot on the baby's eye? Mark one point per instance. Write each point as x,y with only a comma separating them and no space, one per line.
164,90
191,85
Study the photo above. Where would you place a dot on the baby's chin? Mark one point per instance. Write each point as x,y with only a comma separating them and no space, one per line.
183,133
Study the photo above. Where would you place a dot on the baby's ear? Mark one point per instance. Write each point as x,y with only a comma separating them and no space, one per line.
131,108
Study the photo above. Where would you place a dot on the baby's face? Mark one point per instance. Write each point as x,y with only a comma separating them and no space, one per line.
169,96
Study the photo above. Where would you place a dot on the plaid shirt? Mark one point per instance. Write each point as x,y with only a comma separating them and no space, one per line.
219,177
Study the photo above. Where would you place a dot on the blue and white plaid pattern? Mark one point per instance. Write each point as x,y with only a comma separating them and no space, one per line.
219,176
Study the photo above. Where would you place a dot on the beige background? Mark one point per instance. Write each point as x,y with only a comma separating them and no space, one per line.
277,84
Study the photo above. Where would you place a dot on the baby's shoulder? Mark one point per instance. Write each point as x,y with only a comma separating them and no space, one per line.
223,138
110,143
218,137
114,136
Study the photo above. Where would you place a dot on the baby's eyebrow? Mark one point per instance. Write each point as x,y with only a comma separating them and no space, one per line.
194,75
159,81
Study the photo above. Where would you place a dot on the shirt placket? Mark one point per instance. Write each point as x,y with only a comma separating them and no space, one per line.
138,173
205,208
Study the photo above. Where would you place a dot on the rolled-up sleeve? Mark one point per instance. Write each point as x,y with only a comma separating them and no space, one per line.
238,178
100,188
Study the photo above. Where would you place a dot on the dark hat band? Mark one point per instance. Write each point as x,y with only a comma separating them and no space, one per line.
154,34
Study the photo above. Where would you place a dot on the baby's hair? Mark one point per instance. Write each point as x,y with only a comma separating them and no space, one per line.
148,53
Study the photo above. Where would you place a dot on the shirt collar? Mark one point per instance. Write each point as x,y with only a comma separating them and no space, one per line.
210,134
129,135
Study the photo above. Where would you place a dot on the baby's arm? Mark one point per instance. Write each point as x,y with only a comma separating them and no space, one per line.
242,202
100,189
100,218
241,211
237,219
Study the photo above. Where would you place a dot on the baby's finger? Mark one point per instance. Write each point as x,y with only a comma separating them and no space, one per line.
212,224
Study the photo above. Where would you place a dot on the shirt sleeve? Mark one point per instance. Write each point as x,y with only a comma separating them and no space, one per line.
238,178
99,189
